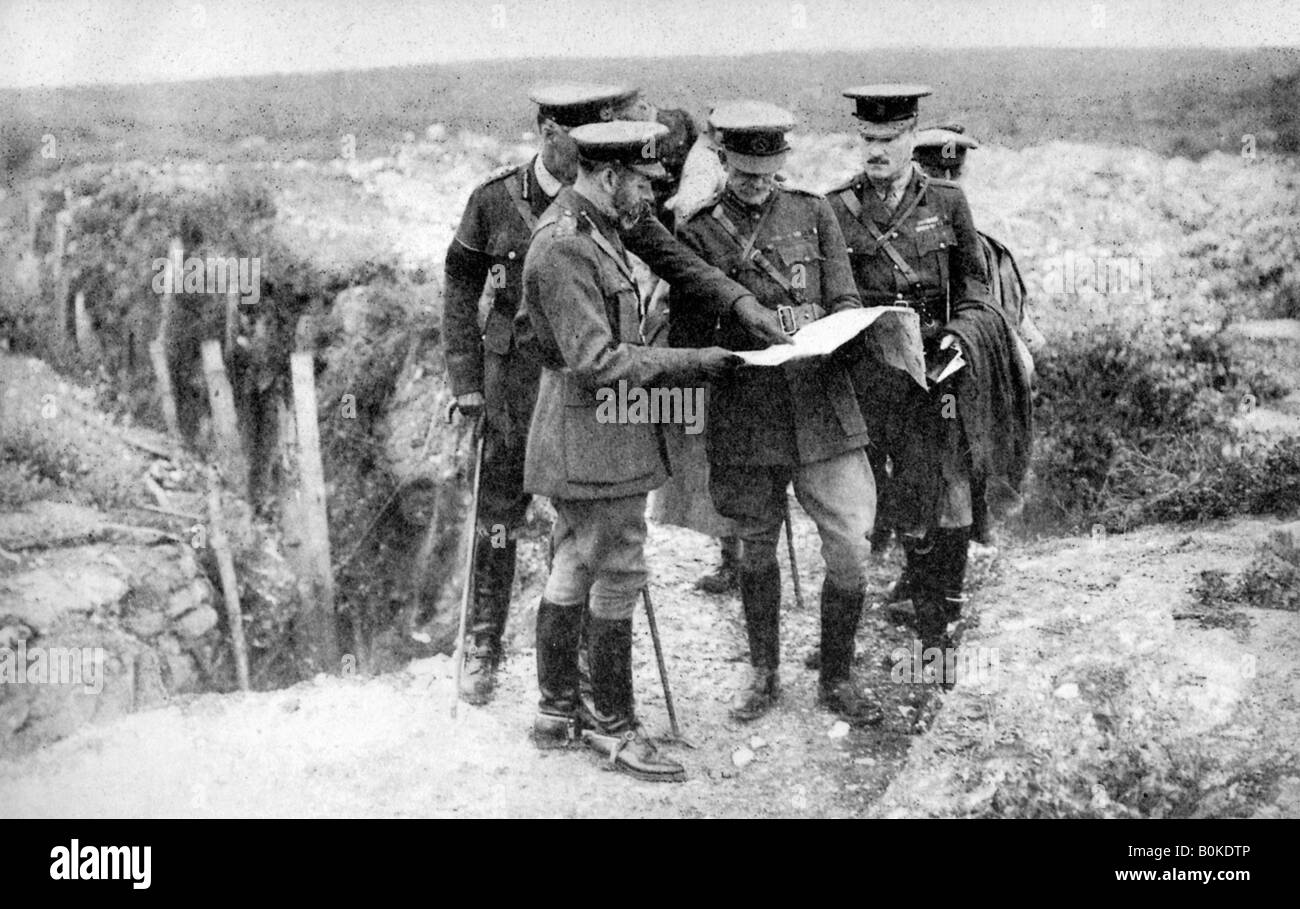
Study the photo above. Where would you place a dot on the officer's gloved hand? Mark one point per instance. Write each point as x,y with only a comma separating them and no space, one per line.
470,405
716,362
761,321
950,341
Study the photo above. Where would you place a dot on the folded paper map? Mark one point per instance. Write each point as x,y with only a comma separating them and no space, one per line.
895,336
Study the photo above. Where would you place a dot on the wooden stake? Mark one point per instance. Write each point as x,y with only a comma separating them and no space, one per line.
229,584
291,505
175,254
225,426
232,317
320,638
62,221
162,371
87,342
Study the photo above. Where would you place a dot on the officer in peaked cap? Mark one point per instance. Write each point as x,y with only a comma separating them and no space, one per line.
941,150
800,423
575,104
489,375
580,318
753,135
912,242
887,109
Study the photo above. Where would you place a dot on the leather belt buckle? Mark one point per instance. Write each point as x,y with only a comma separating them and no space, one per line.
789,324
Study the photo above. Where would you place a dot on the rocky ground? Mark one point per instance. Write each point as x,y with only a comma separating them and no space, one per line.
1093,680
1109,691
1097,681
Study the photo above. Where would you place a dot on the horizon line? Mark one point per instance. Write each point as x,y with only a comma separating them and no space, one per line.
568,59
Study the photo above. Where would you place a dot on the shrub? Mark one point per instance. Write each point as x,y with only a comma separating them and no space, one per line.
1133,426
1271,581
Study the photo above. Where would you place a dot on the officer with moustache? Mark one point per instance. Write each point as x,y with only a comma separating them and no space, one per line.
800,423
487,372
581,318
912,241
941,151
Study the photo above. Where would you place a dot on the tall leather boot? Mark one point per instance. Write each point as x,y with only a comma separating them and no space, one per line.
726,577
560,716
917,555
952,550
760,596
841,612
494,575
932,611
617,734
882,533
941,602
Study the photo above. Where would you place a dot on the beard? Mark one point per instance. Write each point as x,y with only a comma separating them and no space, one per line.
628,208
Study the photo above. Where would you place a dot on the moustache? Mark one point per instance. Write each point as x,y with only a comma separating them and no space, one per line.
877,160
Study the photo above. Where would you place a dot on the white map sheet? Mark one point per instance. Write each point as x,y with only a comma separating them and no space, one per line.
819,339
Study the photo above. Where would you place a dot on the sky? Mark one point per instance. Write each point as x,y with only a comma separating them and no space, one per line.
71,42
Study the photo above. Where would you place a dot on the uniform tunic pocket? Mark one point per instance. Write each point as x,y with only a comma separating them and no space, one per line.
795,250
935,239
607,453
628,303
507,249
498,333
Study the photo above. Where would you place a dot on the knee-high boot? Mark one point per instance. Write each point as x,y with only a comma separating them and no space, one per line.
760,596
841,612
560,714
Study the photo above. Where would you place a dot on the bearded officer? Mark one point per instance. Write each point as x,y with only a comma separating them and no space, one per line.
912,242
581,318
799,423
485,367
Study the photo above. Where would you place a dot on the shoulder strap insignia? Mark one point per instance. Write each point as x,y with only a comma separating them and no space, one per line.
848,183
500,173
800,190
565,222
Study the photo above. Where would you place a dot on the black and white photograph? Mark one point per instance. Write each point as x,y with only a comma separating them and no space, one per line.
634,410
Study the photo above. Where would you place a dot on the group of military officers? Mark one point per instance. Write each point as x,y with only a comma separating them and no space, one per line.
552,242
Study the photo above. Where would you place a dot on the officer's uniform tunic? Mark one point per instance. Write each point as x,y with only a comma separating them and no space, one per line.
581,315
800,422
942,270
491,243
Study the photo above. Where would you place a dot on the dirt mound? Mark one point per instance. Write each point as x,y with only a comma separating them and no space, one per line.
1114,694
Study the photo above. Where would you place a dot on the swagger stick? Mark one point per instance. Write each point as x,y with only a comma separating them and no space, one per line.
471,547
794,566
659,657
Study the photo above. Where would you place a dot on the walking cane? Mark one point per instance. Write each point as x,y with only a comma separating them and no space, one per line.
663,670
794,566
471,548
